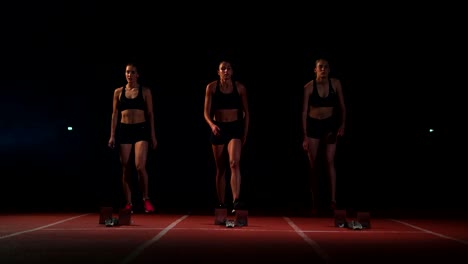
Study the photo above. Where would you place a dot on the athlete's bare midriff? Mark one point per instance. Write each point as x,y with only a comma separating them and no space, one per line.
320,112
133,116
226,115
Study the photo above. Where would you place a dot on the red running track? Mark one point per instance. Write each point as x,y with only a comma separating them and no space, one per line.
167,238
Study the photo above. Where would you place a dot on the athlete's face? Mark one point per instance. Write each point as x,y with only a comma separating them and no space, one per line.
322,68
131,73
225,70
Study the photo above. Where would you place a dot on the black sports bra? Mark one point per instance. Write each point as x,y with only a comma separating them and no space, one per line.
226,101
132,103
317,101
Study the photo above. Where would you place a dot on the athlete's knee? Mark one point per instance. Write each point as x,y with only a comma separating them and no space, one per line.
234,163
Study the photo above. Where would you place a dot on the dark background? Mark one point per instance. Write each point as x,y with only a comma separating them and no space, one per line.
402,74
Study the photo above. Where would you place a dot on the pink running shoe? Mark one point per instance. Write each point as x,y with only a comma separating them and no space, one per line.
149,208
129,207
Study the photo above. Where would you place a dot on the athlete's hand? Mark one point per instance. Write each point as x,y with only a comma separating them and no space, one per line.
244,139
154,142
216,130
305,144
111,143
340,132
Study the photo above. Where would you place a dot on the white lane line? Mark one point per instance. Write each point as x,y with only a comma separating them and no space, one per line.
341,231
431,232
41,227
142,247
309,241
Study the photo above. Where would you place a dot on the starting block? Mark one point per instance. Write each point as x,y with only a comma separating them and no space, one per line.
220,216
241,217
364,219
125,217
105,214
340,218
106,217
